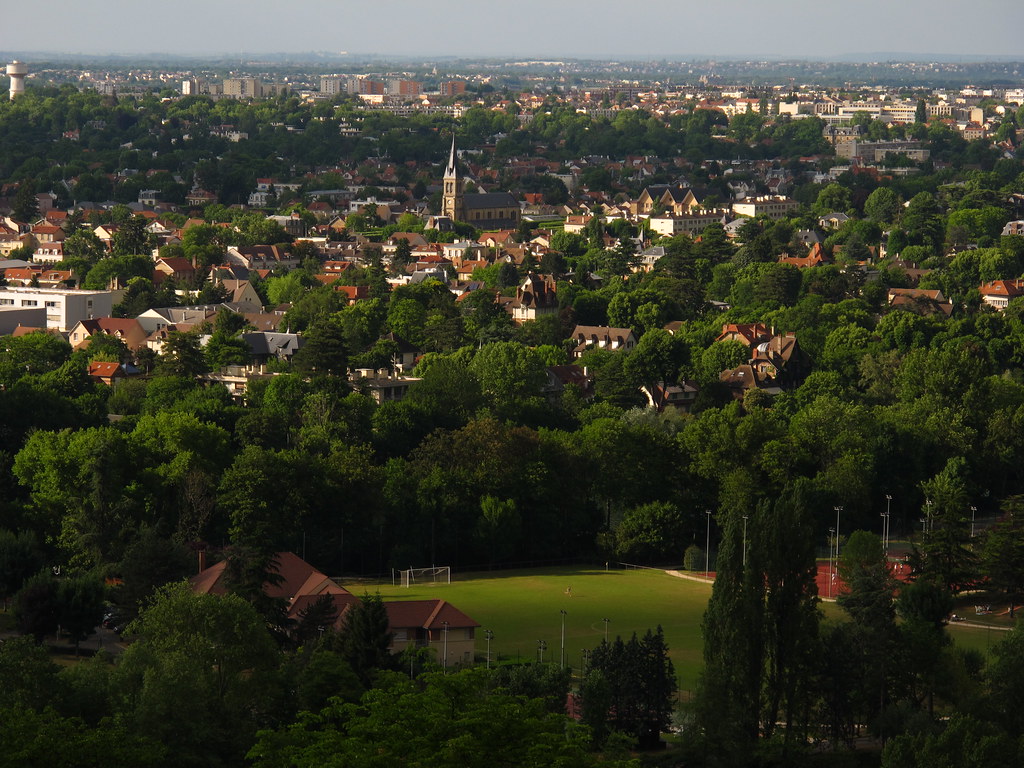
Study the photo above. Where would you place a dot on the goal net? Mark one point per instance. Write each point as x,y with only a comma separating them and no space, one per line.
441,574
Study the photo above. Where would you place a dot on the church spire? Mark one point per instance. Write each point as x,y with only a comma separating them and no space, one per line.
452,170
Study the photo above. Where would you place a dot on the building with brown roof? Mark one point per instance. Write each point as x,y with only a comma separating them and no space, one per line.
999,293
921,301
435,624
747,334
602,337
130,331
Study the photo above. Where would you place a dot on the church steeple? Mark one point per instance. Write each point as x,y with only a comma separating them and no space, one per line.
451,199
452,169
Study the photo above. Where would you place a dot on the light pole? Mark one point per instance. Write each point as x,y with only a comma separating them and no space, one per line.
885,533
444,665
928,516
744,541
974,511
707,546
606,629
586,662
561,661
542,646
831,573
489,635
838,512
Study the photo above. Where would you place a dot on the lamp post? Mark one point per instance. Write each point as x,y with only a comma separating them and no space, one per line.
707,546
928,516
561,661
831,573
586,662
606,629
974,511
489,635
744,541
445,663
542,646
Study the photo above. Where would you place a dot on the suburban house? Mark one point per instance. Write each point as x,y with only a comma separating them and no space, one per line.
748,334
535,298
107,373
666,197
998,293
130,331
919,300
602,337
782,360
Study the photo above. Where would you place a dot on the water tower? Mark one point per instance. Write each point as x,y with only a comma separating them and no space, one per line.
17,71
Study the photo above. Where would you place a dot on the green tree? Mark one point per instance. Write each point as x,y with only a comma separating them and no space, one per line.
197,678
80,601
324,351
181,356
366,637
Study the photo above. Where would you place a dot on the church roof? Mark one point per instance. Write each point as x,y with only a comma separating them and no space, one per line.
488,200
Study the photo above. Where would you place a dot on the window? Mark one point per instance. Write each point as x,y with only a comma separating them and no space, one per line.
29,303
50,303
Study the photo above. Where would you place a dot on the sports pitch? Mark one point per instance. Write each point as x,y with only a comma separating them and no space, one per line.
522,607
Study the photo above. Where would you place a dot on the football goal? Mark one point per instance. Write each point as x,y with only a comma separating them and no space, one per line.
441,574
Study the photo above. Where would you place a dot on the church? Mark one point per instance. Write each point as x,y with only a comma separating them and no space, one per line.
493,210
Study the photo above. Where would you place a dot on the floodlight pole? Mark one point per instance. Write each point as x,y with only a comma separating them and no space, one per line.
445,662
974,511
562,659
606,629
488,634
745,541
831,573
885,530
542,646
707,547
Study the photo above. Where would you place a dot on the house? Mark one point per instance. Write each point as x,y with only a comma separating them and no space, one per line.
781,360
181,269
562,376
999,293
666,197
602,337
1013,228
662,395
748,334
130,331
107,373
261,257
923,302
435,624
382,385
833,220
745,377
535,298
297,584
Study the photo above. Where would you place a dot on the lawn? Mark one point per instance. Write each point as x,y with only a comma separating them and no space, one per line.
522,607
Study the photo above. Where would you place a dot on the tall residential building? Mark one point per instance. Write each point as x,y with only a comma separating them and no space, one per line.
243,87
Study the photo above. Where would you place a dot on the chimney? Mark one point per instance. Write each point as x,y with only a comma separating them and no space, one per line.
202,560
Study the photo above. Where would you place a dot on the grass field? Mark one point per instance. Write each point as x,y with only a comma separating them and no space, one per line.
522,607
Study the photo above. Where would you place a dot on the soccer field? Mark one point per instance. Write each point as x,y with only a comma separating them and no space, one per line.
522,607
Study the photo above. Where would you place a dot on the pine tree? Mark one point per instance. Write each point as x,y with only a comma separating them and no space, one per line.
365,638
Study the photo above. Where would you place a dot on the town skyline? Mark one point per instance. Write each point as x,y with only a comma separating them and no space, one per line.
787,29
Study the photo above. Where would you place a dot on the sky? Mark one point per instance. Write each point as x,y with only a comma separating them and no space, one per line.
546,29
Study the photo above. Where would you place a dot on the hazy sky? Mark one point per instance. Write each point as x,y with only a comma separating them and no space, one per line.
528,28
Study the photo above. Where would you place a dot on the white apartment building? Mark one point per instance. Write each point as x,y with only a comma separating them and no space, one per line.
772,206
688,223
65,308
